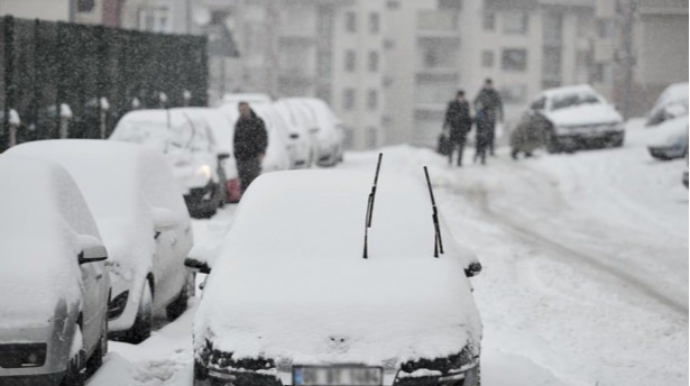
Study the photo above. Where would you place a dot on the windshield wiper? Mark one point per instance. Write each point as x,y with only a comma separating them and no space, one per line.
438,242
370,208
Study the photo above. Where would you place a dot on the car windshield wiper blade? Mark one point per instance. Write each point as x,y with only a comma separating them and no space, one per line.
438,242
370,208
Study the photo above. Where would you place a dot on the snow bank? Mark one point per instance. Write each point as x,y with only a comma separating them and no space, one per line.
43,222
323,301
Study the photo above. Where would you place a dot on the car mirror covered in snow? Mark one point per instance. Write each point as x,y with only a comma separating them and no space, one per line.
164,219
93,254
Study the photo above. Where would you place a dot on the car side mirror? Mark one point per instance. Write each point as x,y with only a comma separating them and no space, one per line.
197,265
294,136
93,254
473,270
164,220
223,156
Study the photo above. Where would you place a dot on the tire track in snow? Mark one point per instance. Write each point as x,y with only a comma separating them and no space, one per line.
481,197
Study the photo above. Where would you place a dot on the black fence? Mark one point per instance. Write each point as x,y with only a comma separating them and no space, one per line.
80,79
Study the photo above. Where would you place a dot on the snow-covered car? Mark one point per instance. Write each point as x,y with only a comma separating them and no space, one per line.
576,117
54,286
303,139
189,148
672,103
673,143
252,98
298,151
322,121
144,223
222,131
368,310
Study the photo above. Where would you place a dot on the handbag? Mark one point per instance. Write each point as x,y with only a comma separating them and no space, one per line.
444,145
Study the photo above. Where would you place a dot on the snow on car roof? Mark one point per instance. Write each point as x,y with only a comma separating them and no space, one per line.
221,127
569,90
303,233
44,225
674,92
121,183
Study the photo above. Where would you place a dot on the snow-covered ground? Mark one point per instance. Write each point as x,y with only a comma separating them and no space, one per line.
585,277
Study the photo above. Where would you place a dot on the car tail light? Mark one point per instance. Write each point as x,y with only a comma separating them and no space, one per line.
117,305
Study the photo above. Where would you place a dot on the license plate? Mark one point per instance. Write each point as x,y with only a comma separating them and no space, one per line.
337,376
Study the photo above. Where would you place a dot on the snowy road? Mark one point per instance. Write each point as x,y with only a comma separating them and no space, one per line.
585,279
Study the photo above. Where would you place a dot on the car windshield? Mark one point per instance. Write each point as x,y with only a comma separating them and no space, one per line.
572,100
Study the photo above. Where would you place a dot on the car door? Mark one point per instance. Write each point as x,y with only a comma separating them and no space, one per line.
95,291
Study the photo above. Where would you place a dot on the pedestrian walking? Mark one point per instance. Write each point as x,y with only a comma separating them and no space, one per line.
483,136
251,141
458,123
489,102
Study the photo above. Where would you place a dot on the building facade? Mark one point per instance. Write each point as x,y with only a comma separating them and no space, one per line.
640,49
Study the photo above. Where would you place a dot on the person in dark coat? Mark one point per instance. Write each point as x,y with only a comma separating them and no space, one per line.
459,123
251,142
483,136
489,102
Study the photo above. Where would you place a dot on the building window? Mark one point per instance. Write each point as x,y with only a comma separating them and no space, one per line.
552,63
154,20
349,99
603,73
515,94
350,60
514,59
606,28
393,4
487,59
85,5
516,23
374,23
351,22
373,61
373,100
489,21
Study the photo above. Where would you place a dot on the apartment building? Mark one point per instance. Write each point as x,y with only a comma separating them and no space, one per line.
636,55
79,11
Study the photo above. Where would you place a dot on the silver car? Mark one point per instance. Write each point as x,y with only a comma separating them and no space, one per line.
54,287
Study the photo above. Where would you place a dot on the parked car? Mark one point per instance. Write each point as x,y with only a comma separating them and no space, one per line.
400,316
189,148
576,117
672,103
54,286
283,133
674,140
254,99
329,139
300,116
144,224
222,131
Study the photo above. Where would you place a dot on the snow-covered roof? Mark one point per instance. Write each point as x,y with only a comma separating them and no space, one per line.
44,225
401,303
568,90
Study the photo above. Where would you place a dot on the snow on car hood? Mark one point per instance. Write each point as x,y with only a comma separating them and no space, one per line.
43,227
670,133
355,311
590,114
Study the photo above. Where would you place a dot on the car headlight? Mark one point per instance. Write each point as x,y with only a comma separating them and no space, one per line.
23,355
117,305
204,171
457,369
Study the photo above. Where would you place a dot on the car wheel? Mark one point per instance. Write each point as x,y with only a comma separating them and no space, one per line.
179,306
76,370
143,323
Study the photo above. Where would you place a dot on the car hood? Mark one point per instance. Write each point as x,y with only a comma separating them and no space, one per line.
585,115
359,311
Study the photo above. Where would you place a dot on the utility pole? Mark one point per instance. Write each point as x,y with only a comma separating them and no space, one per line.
627,58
